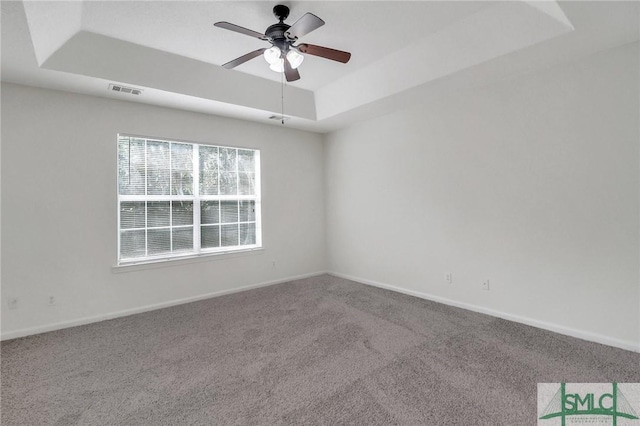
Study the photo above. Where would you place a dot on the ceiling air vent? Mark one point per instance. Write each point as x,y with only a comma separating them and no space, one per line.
124,89
279,118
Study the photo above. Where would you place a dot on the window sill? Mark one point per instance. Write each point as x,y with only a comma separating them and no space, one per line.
184,260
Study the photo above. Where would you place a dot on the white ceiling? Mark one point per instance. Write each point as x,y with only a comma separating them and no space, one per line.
399,49
186,29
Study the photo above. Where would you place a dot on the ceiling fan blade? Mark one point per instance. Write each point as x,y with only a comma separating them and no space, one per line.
244,58
290,73
239,29
325,52
305,25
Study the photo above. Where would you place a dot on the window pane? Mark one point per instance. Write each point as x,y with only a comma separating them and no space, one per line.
247,211
157,213
228,183
229,210
131,169
245,161
182,239
132,214
181,169
228,171
228,159
247,233
210,236
158,168
208,170
229,235
159,241
182,213
246,183
132,244
209,212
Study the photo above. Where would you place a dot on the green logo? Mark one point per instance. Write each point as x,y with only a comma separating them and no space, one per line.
589,399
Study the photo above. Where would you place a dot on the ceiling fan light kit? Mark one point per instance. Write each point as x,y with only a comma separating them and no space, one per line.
272,55
275,59
284,55
294,58
278,66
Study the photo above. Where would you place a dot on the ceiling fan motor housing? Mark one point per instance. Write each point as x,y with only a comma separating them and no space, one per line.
276,34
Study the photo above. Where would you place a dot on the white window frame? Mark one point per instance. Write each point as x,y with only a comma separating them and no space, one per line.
196,199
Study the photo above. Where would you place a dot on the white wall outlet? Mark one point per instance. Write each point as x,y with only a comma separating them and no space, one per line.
12,302
51,300
485,285
448,277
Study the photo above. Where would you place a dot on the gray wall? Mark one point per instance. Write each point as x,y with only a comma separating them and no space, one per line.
59,208
532,184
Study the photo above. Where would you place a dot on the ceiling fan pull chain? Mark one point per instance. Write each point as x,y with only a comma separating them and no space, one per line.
282,97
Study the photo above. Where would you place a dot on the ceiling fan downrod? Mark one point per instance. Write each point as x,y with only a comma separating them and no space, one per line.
281,12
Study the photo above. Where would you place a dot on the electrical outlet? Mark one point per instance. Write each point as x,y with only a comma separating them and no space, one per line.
12,302
273,263
485,285
448,277
51,300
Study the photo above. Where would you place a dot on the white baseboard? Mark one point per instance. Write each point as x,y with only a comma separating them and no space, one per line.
97,318
580,334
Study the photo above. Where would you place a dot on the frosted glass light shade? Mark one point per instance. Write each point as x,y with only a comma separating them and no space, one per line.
295,59
272,55
278,66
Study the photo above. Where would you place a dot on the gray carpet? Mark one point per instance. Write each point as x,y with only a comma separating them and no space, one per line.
318,351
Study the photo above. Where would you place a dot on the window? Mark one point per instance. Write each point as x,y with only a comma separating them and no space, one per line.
178,199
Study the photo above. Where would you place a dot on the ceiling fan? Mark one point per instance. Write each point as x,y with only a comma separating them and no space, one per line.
284,55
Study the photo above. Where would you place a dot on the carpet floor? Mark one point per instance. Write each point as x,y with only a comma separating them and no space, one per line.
317,351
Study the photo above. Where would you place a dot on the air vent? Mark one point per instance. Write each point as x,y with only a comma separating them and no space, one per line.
124,89
279,118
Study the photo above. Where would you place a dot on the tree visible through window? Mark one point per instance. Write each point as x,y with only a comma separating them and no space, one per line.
178,199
